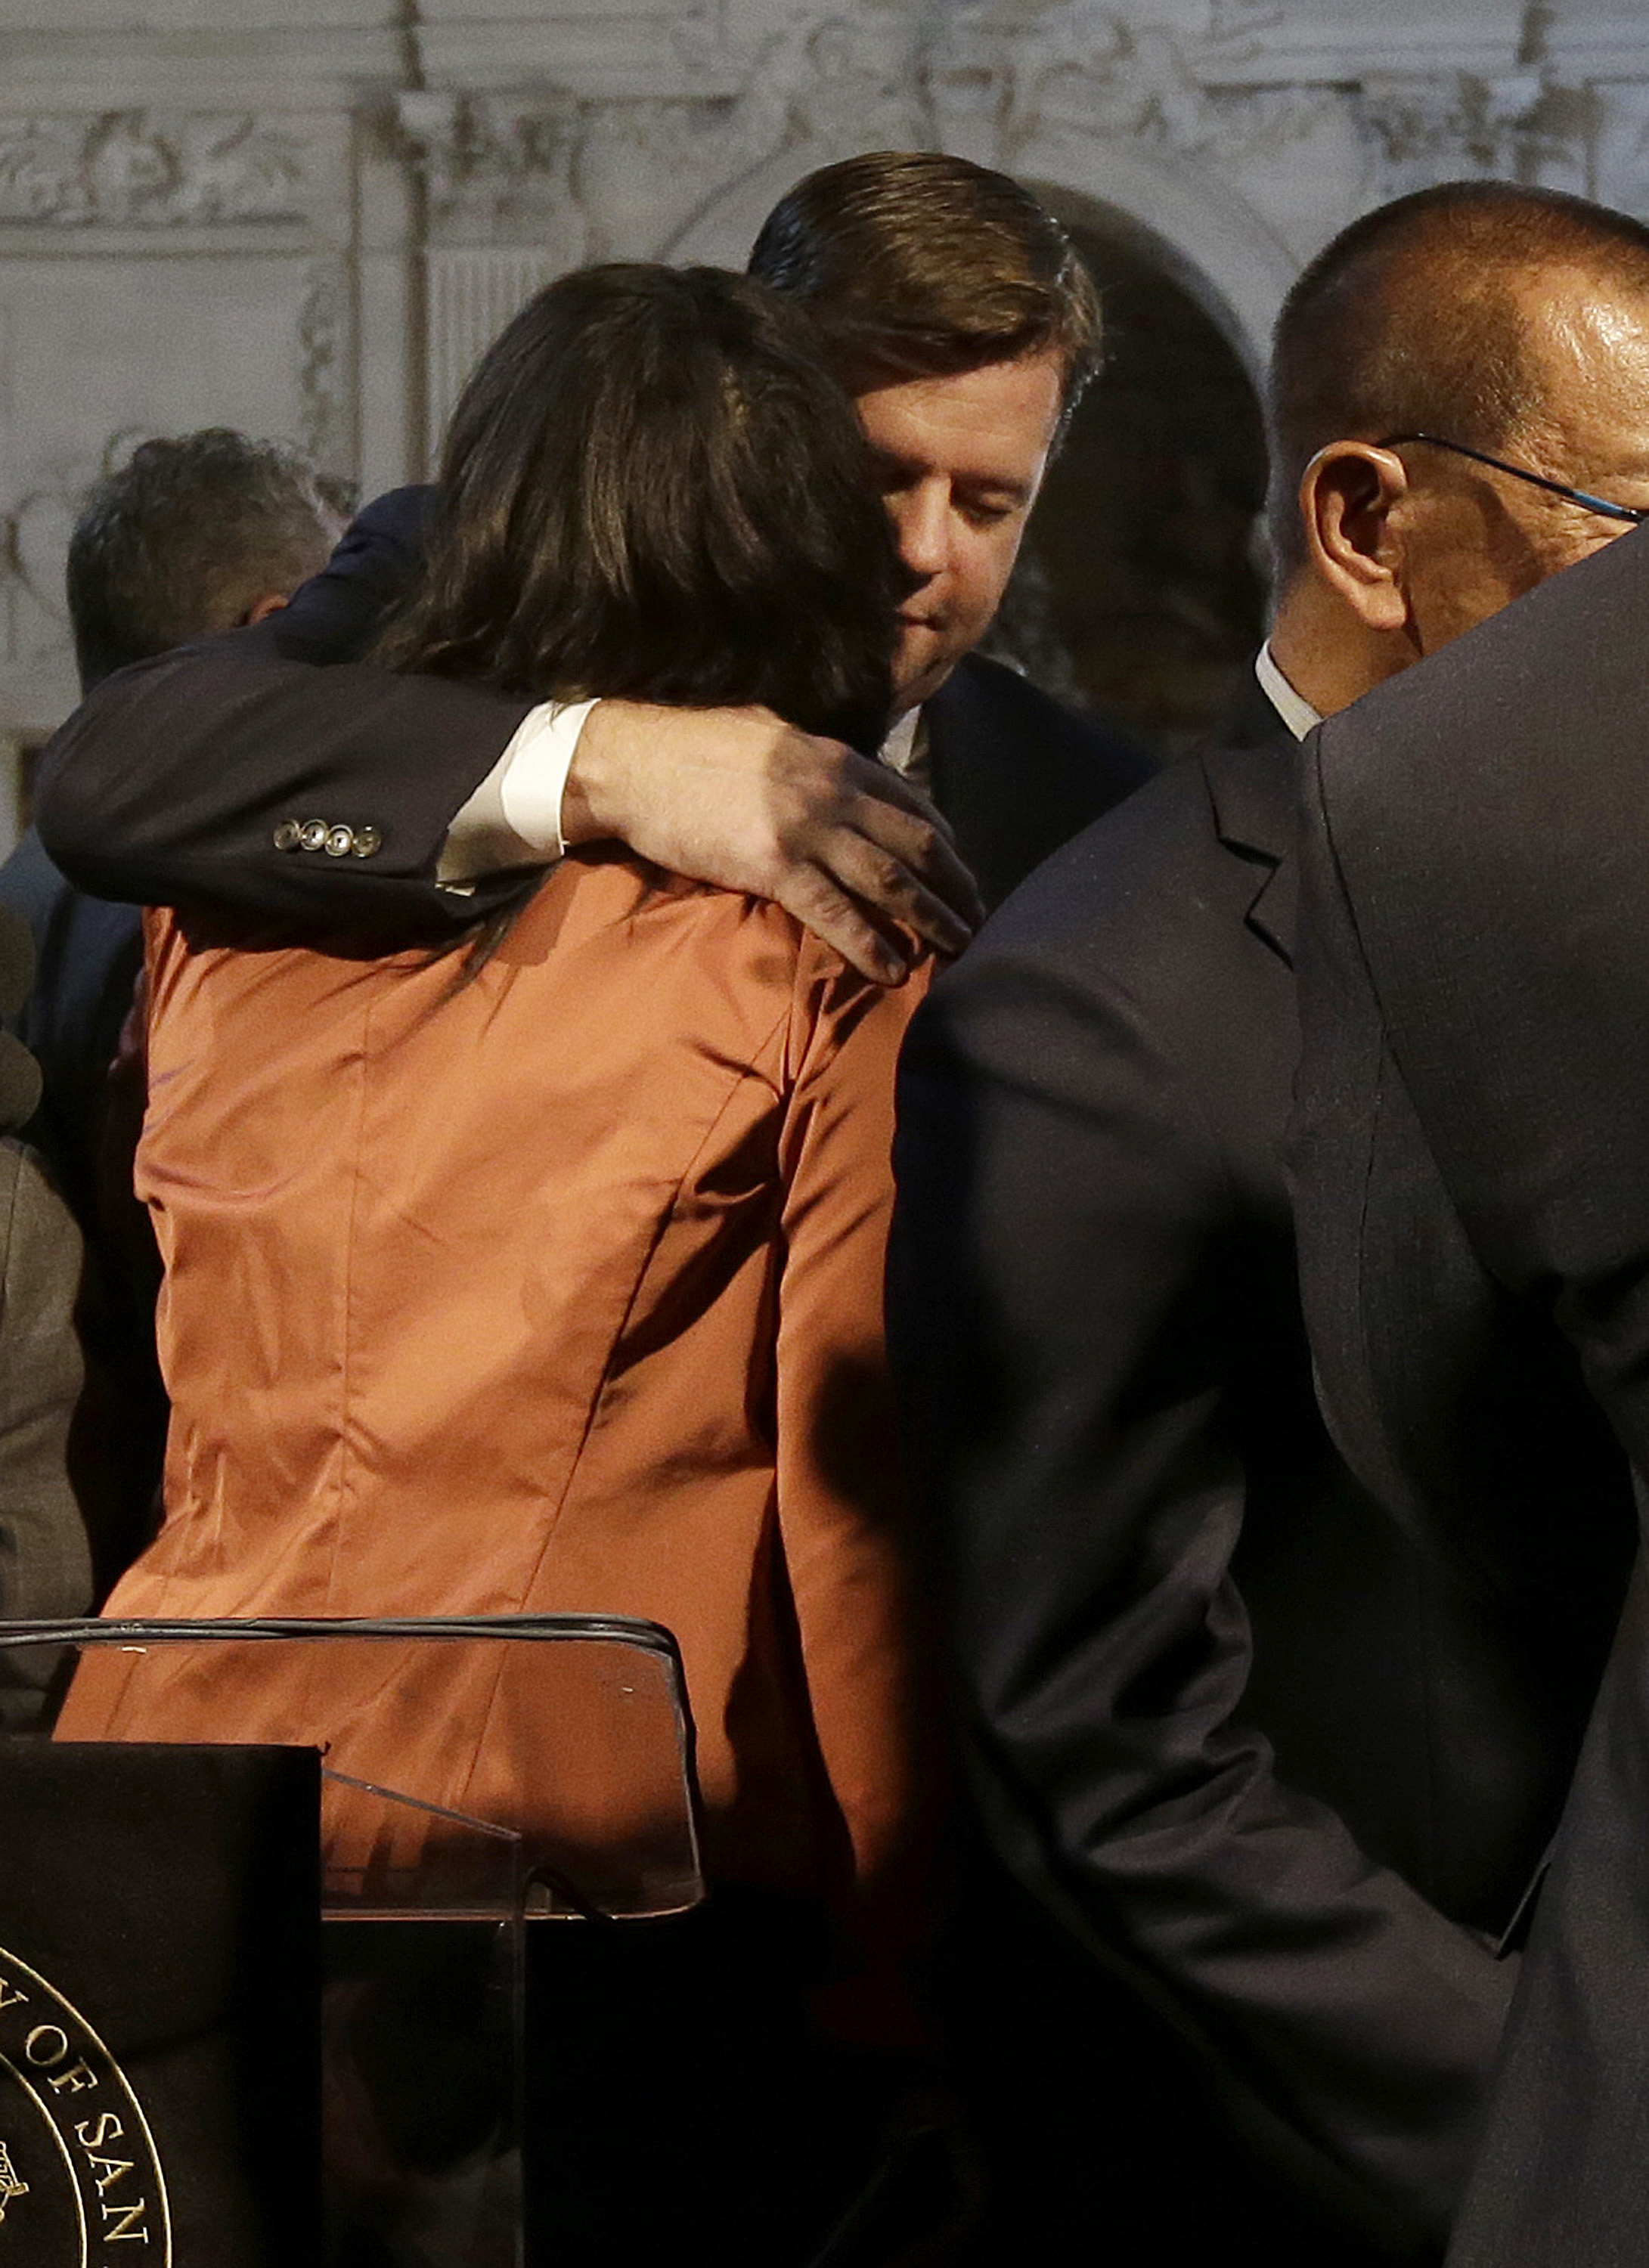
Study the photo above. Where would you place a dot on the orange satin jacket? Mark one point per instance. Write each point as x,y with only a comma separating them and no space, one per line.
554,1286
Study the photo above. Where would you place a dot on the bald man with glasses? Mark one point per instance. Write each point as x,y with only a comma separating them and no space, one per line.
1472,1154
1287,1771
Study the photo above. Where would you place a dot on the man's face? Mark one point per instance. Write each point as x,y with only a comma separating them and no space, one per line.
961,458
1476,538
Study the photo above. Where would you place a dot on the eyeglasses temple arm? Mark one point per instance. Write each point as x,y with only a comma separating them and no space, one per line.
1521,472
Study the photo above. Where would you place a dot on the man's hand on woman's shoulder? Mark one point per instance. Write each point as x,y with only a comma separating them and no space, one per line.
738,799
169,786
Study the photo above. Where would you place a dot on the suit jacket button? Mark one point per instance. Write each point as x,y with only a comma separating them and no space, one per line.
312,835
287,835
366,841
340,842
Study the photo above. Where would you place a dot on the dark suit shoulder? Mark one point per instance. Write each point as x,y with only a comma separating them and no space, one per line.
1086,761
1017,774
1150,930
1153,873
1012,701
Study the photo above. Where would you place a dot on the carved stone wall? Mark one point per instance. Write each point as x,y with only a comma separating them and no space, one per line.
307,218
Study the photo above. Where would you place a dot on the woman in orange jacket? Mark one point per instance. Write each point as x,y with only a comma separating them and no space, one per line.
547,1275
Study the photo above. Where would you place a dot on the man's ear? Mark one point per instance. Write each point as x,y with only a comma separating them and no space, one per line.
261,609
1348,494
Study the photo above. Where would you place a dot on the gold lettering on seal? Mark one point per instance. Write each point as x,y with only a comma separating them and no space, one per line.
53,2056
11,2188
128,2216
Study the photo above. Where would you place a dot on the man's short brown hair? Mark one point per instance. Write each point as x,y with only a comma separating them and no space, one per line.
916,264
1414,320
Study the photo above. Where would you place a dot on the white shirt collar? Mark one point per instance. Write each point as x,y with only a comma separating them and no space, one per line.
899,750
1294,709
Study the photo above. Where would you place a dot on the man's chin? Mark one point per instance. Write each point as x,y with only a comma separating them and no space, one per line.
924,662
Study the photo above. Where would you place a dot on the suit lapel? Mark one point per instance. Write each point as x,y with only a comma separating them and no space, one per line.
1254,783
1275,913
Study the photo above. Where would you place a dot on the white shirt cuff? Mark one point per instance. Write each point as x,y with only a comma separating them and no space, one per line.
513,817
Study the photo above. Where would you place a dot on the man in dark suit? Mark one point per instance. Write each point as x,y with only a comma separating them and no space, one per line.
958,314
1251,1748
1473,1146
193,534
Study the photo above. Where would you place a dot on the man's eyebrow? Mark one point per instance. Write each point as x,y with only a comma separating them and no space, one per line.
894,460
978,485
994,484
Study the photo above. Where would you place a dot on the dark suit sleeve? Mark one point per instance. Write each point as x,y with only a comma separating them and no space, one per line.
45,1559
167,787
1059,1242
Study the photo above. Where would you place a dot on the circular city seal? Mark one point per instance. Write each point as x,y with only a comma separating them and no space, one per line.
80,2182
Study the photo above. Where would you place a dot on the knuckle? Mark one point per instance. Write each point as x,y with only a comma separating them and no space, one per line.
806,894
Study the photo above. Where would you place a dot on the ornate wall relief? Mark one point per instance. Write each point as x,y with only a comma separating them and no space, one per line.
162,266
1522,126
188,229
1620,164
137,169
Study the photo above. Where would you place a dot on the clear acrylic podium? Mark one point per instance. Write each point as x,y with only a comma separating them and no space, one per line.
479,1776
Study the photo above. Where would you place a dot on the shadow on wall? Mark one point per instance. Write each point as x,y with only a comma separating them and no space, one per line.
1139,593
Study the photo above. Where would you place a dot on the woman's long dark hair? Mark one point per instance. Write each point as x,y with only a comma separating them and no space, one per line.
652,488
